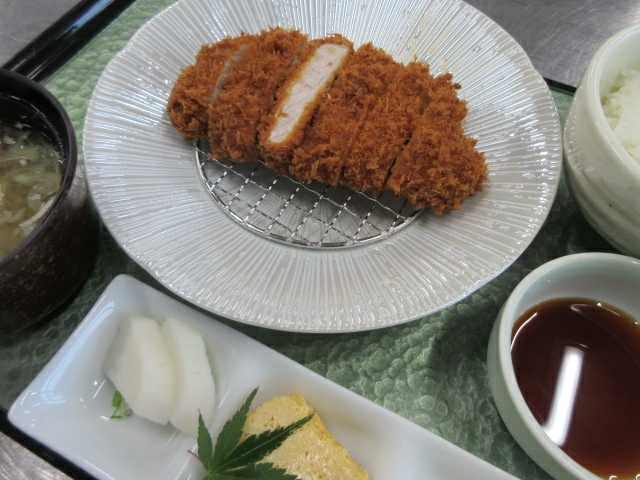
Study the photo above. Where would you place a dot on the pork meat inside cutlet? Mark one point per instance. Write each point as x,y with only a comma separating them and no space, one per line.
199,84
387,129
439,167
249,91
337,123
298,98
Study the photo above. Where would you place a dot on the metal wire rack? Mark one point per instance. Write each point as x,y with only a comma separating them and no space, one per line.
315,215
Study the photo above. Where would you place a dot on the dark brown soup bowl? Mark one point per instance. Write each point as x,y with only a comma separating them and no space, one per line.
49,265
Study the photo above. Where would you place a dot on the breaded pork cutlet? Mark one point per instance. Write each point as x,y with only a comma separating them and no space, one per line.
318,111
298,98
340,117
439,167
199,84
387,129
249,90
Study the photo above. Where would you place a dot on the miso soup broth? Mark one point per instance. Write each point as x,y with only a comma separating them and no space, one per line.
30,176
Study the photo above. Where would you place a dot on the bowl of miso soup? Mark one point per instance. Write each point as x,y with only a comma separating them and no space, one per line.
48,230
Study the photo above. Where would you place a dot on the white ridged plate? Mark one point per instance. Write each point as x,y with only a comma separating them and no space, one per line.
144,181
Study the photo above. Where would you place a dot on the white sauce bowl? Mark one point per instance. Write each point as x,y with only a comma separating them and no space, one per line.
604,277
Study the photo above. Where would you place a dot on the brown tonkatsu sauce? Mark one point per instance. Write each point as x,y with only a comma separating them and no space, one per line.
593,411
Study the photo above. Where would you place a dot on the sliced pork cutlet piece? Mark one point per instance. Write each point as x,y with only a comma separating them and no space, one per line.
387,129
199,84
298,98
339,119
249,91
439,167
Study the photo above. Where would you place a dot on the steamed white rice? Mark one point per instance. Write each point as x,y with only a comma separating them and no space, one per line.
622,109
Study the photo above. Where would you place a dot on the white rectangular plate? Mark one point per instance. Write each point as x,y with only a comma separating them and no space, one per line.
68,405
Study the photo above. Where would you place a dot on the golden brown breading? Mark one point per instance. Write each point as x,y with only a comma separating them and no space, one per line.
369,128
388,127
439,167
340,117
199,84
314,74
249,90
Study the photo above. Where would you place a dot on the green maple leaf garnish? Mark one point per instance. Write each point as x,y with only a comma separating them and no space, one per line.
234,459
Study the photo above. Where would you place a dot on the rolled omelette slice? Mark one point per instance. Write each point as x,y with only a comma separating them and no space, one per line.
311,452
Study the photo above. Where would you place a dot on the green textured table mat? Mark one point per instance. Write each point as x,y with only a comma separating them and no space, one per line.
431,371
